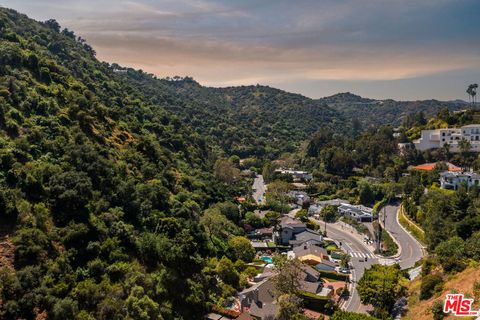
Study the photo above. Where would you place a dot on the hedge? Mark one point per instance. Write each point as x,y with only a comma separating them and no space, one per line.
315,302
411,227
334,275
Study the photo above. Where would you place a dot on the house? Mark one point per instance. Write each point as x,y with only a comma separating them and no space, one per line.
260,300
319,205
300,197
266,273
438,138
453,180
311,275
357,212
261,234
287,230
297,175
326,265
431,166
310,254
306,237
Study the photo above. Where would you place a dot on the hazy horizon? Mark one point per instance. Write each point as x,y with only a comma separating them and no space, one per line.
402,50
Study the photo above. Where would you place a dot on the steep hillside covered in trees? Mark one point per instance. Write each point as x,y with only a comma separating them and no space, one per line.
265,122
100,190
246,121
369,112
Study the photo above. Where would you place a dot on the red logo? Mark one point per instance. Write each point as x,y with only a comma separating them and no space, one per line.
459,305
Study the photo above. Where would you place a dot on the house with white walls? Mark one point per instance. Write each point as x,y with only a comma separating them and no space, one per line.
437,138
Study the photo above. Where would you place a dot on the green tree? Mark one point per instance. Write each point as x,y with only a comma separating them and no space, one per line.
241,249
437,310
430,283
451,254
290,307
345,315
268,171
227,273
226,171
366,195
344,260
329,213
381,286
217,225
289,273
252,219
472,246
141,306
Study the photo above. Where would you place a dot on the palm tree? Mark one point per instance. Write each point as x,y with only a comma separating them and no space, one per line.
472,92
465,147
446,150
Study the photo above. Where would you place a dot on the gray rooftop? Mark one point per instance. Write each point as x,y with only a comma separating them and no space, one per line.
451,174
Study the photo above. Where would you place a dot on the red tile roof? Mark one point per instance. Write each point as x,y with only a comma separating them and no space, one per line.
431,166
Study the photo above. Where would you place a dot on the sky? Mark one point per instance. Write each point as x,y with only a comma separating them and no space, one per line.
400,49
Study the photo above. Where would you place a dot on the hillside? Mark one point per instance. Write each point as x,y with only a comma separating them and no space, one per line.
101,191
380,112
247,121
264,122
461,282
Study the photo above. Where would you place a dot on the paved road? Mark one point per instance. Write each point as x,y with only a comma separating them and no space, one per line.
358,251
411,249
259,189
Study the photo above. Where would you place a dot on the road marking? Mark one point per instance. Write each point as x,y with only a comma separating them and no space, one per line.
356,254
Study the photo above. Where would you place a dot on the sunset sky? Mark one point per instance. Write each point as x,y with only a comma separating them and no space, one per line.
401,49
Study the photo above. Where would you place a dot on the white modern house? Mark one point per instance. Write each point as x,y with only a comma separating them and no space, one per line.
358,212
437,138
453,180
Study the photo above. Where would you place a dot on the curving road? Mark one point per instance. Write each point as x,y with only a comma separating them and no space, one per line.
411,250
352,243
259,189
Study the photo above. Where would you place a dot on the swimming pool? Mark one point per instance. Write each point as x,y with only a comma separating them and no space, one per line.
267,259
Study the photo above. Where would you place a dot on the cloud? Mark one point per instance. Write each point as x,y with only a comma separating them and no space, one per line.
276,41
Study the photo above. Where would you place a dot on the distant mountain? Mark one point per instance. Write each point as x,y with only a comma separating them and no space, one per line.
246,120
346,97
264,122
372,112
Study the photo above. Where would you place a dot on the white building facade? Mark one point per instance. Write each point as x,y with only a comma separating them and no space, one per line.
453,180
357,212
433,139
